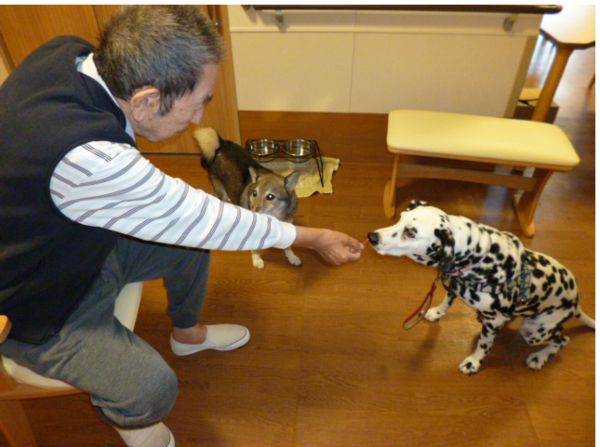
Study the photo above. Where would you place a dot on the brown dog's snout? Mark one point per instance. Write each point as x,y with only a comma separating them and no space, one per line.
373,238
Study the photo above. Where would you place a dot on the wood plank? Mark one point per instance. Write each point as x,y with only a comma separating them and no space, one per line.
465,175
15,425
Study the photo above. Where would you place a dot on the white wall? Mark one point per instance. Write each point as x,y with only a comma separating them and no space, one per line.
374,62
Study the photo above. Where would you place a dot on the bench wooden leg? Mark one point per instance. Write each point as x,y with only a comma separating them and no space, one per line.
14,424
389,192
526,206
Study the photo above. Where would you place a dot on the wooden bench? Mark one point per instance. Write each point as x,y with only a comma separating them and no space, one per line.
479,141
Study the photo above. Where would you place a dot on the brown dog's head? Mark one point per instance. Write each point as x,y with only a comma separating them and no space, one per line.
272,194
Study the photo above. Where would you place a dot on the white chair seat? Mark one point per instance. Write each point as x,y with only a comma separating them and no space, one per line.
126,311
480,138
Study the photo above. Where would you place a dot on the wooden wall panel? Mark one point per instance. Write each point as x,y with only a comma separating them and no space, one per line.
24,28
222,114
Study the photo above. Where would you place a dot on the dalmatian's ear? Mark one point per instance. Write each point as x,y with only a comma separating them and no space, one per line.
446,252
415,204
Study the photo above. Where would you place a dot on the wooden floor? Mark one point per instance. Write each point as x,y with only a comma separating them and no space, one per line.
329,363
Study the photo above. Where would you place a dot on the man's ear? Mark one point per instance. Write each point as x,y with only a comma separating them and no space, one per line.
144,103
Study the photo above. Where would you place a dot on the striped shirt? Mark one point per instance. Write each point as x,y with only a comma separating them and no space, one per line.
112,186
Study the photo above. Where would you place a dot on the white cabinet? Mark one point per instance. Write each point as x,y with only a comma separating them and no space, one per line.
293,71
373,62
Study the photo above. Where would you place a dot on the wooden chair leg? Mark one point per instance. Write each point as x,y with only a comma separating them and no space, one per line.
14,424
526,206
389,192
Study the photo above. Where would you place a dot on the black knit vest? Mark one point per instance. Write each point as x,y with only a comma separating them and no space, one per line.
48,262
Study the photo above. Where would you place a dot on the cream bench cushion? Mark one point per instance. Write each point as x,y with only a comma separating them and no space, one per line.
480,138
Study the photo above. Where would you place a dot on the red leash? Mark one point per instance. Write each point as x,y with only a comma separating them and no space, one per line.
413,319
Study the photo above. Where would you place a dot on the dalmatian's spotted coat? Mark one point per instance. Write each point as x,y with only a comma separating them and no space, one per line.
492,272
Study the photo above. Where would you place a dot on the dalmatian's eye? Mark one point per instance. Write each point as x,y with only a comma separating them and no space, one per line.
270,197
409,233
254,193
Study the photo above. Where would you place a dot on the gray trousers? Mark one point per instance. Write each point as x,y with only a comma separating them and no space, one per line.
128,381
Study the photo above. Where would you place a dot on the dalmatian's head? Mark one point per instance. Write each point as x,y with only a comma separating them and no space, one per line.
423,234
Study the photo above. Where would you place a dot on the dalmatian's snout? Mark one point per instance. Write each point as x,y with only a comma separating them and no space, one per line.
373,238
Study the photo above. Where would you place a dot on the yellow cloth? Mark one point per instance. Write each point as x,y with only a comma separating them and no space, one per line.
309,182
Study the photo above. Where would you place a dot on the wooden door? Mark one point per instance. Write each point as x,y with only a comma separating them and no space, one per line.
24,28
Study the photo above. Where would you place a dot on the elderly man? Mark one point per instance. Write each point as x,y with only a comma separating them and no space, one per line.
83,212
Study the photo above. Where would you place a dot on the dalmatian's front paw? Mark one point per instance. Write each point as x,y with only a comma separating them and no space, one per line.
257,261
536,361
293,259
470,366
434,314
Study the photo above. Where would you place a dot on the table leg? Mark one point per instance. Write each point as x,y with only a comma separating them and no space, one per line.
540,113
389,192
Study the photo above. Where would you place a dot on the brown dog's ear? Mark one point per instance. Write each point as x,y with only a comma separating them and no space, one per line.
291,181
253,174
415,204
446,252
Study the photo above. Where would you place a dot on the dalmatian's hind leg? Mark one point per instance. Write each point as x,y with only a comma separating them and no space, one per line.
541,329
538,359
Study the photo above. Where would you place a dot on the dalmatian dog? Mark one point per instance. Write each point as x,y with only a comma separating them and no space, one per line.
492,272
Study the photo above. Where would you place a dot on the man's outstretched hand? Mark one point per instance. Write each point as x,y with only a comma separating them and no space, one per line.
333,246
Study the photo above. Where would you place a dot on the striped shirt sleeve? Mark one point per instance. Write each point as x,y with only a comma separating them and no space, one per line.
112,186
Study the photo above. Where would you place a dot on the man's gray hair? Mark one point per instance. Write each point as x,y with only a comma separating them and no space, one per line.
165,47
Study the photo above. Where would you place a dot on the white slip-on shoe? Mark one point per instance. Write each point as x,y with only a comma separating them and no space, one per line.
157,435
219,337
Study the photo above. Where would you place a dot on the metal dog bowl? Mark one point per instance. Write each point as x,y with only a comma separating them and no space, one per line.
262,148
299,148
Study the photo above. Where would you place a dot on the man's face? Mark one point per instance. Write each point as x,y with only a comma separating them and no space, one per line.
186,110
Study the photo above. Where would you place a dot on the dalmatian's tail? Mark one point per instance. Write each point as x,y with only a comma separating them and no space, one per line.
584,318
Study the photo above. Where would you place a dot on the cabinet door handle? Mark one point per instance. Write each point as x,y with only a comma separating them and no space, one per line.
509,22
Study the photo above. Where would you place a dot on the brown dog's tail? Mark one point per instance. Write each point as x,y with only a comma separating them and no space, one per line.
208,140
584,318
